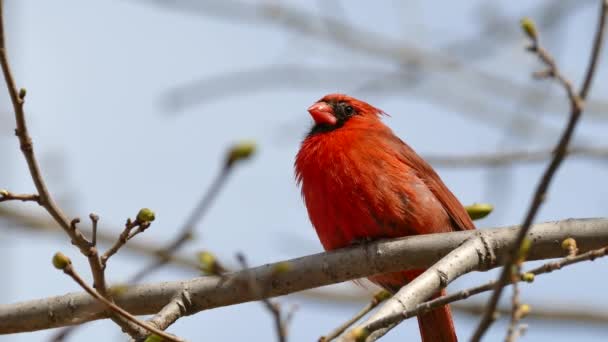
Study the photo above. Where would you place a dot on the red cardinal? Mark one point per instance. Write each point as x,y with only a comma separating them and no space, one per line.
360,182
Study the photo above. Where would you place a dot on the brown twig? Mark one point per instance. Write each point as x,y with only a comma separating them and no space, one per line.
125,236
69,270
272,307
576,108
513,329
188,227
44,197
376,299
38,224
94,220
9,196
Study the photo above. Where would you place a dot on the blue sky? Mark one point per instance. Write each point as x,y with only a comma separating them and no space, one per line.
99,75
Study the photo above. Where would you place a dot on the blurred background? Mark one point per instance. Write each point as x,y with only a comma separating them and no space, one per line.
133,104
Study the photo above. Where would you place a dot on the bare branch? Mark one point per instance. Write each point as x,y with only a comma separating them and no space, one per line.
175,309
9,196
38,224
474,254
510,158
187,229
415,252
280,324
125,236
576,109
552,313
69,270
376,300
94,220
545,268
406,57
44,197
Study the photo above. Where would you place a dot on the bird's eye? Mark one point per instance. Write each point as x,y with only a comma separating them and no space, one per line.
348,110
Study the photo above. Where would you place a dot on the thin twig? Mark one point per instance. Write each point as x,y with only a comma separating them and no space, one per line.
513,329
9,196
552,313
69,270
272,307
38,224
514,157
44,197
576,107
125,236
376,299
188,227
25,141
94,220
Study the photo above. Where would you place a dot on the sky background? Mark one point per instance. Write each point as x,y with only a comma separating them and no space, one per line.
133,104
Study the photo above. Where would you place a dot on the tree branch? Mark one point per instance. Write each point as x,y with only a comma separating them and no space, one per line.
413,252
44,197
9,196
576,109
513,157
407,57
473,254
69,270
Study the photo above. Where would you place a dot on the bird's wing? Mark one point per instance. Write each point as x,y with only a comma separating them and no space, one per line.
425,172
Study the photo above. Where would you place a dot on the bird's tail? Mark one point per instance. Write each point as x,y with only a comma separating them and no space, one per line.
437,325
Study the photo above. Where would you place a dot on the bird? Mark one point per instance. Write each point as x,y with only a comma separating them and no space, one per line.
360,183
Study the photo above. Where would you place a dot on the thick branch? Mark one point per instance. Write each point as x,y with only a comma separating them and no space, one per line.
304,273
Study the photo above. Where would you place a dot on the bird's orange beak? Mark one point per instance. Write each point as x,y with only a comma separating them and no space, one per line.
322,113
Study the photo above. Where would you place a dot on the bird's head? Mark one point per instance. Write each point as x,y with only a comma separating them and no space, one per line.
335,110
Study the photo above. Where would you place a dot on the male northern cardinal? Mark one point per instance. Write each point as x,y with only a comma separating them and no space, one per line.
360,182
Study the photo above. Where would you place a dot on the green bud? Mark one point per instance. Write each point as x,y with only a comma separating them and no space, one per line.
569,244
529,28
22,93
61,261
145,215
209,264
154,338
381,296
524,310
479,210
358,334
527,277
240,151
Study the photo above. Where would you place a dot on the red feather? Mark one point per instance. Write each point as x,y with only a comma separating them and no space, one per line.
360,182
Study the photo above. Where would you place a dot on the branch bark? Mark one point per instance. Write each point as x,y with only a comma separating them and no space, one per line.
473,254
303,273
